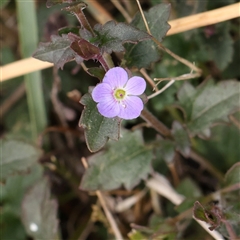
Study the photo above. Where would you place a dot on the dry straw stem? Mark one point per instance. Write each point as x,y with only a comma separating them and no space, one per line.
108,214
28,65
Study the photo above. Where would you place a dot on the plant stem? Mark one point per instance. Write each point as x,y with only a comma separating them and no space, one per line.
155,123
78,12
106,61
28,33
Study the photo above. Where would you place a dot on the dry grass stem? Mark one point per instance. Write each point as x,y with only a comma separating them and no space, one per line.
122,10
130,201
216,235
163,187
234,121
162,89
108,214
143,17
204,19
206,164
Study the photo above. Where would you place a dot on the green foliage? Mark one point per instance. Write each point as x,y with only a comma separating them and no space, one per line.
17,157
57,51
188,109
208,104
39,212
111,36
208,215
232,176
11,199
221,147
181,138
157,18
124,162
166,150
4,3
216,44
98,129
96,72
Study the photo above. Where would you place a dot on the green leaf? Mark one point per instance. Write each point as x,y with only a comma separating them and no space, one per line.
96,72
66,30
57,51
216,44
181,138
144,53
111,36
166,150
4,3
17,157
124,162
191,191
199,212
135,55
209,103
135,235
210,214
233,175
41,223
221,148
12,193
97,128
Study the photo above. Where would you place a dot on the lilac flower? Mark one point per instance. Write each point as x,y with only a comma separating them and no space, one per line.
118,96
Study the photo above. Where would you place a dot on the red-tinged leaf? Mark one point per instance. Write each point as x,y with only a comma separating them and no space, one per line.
85,49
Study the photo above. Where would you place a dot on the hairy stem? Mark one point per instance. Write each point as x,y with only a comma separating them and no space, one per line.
77,10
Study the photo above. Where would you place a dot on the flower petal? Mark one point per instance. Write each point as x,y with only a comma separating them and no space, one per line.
101,92
132,109
116,77
109,108
135,86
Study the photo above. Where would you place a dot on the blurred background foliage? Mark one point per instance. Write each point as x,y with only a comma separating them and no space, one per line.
77,214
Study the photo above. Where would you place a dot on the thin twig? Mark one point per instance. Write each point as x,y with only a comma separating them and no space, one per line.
180,59
87,230
206,164
234,121
109,215
12,99
162,89
122,10
143,17
155,123
182,77
148,78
